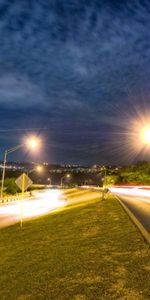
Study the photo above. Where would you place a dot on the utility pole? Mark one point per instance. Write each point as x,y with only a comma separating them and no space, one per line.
3,174
104,184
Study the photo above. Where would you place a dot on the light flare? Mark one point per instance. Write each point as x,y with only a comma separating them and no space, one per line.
128,138
145,135
32,142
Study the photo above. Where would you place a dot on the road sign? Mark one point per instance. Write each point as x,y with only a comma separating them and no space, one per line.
23,182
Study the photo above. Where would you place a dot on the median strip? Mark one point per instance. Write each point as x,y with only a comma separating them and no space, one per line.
85,252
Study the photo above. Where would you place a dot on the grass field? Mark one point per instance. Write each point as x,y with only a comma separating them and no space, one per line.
86,252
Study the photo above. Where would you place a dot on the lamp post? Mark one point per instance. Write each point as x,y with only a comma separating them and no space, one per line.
105,178
4,165
66,176
104,183
49,180
31,143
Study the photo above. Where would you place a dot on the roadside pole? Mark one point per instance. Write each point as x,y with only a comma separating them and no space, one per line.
104,184
23,182
3,175
22,200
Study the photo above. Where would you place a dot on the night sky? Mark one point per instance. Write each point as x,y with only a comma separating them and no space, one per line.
77,73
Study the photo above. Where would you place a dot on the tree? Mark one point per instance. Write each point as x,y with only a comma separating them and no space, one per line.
113,179
10,186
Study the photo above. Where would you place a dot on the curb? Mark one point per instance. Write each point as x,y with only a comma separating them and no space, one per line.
134,220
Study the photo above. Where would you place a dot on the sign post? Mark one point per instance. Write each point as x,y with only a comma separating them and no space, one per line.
23,182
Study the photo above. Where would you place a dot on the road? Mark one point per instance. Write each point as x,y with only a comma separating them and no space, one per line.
42,203
137,200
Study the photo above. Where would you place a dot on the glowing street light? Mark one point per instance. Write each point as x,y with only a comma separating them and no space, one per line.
49,180
145,135
30,142
37,168
68,176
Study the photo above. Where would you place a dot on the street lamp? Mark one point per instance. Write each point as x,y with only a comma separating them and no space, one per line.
38,169
145,135
105,177
49,180
31,143
104,182
66,176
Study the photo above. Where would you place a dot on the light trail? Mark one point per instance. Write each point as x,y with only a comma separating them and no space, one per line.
136,191
43,203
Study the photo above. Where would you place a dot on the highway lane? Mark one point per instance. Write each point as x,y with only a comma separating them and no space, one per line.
137,200
42,203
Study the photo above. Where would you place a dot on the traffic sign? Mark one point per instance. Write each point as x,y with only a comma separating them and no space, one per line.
23,182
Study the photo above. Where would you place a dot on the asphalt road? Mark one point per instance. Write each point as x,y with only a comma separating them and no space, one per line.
138,202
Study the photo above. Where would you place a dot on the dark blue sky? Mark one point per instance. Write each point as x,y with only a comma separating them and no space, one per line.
75,72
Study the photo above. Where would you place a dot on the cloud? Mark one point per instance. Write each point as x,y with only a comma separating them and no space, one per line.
18,91
74,62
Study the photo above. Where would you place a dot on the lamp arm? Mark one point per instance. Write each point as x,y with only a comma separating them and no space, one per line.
14,148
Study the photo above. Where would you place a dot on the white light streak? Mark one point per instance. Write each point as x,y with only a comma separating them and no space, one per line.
136,191
44,203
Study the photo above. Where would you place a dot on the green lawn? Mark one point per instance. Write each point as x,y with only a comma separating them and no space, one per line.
84,252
